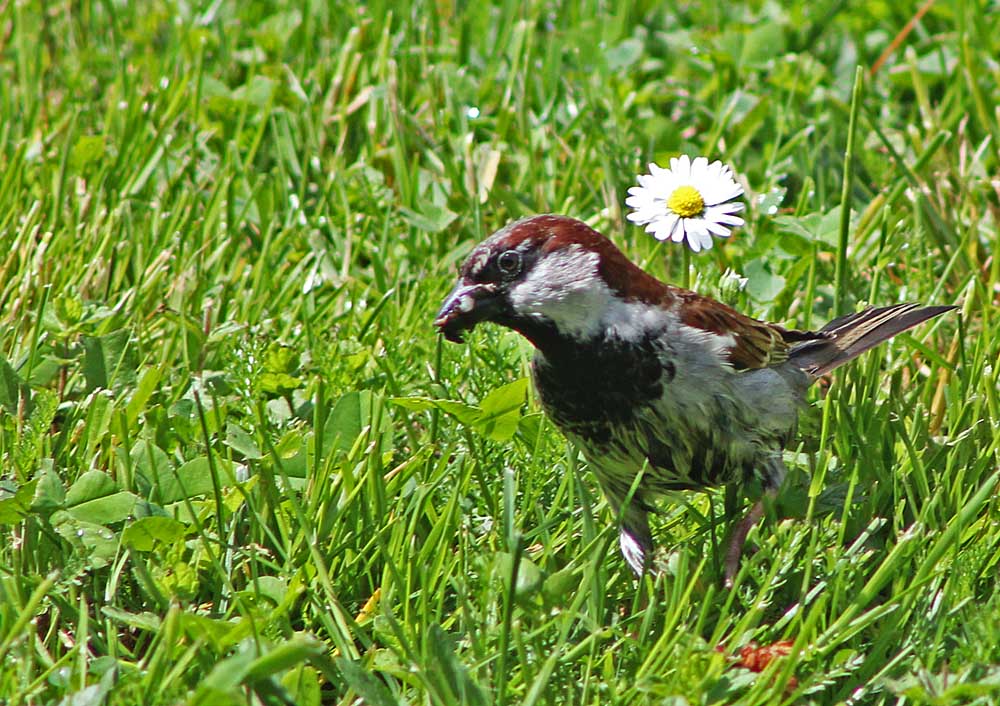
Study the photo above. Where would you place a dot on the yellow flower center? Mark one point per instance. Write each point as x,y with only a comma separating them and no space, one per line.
686,202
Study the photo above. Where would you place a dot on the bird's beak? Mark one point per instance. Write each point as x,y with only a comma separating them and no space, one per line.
466,306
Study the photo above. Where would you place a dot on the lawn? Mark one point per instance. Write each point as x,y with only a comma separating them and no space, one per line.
239,466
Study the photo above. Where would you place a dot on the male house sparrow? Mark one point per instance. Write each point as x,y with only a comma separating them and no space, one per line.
633,370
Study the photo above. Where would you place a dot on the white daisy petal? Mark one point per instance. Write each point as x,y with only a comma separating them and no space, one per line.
681,167
677,230
698,236
728,207
659,228
694,226
638,201
725,219
717,229
647,181
719,192
667,223
731,208
695,240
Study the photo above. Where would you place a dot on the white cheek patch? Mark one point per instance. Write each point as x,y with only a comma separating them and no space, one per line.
565,288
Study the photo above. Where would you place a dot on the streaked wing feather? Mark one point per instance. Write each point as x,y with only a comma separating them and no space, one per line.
756,344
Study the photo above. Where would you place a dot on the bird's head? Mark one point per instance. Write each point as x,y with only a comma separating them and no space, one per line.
546,277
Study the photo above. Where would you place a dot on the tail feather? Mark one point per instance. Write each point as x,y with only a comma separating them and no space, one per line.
846,338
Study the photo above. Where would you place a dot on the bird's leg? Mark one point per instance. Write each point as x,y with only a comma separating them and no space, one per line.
770,473
738,537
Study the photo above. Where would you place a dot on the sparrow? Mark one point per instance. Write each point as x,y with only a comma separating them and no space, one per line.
645,377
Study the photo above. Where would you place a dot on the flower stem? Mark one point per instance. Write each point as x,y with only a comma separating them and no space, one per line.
686,274
840,278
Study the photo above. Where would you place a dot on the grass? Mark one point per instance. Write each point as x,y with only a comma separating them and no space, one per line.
238,466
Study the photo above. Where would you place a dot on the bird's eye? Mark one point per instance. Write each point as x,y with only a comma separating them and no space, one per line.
509,262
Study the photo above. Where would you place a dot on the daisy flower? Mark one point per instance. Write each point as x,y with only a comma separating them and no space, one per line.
691,199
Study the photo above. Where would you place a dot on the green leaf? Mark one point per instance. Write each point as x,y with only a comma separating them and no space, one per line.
281,359
370,688
300,648
45,370
344,424
247,667
529,426
95,694
762,285
144,533
240,441
763,43
12,389
107,510
624,54
95,497
150,622
258,92
97,542
558,586
91,485
501,410
352,415
220,633
15,501
192,479
529,576
150,464
109,361
465,413
273,33
148,383
293,452
304,686
281,363
432,219
230,672
455,674
273,588
814,227
416,404
69,309
100,411
771,200
497,417
50,495
87,150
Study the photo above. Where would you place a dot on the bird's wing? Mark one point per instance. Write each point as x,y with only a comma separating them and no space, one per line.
755,344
